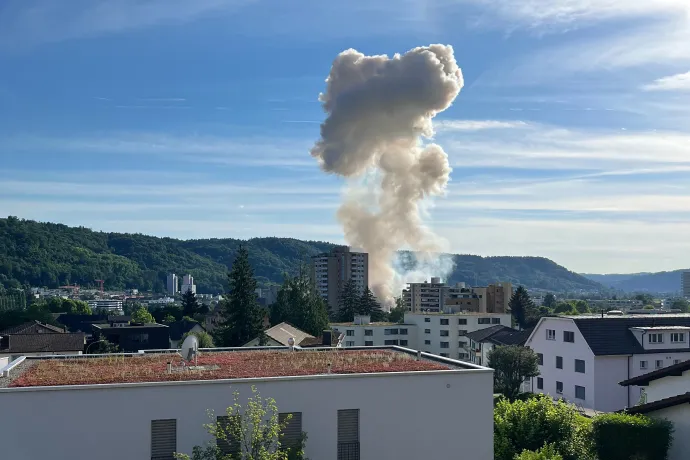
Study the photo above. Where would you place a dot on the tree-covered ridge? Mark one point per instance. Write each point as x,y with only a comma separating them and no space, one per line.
51,255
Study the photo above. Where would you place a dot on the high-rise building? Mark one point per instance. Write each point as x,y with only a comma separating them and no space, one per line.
436,297
172,284
331,270
685,284
188,284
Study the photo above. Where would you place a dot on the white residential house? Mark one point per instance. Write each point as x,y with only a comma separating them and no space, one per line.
582,358
347,414
482,341
667,395
441,334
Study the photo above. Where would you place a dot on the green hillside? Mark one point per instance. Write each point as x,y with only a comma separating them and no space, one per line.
50,255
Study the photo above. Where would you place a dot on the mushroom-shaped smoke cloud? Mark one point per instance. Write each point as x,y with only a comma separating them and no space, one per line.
378,110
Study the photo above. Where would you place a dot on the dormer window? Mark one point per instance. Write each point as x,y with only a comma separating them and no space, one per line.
677,337
656,338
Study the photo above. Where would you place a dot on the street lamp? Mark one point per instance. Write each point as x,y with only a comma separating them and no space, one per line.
92,343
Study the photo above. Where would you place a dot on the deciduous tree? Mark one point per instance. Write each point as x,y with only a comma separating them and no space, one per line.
299,304
512,365
142,315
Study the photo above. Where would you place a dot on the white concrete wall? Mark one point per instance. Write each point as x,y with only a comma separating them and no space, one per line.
609,395
378,337
651,358
569,352
680,416
17,355
403,416
667,387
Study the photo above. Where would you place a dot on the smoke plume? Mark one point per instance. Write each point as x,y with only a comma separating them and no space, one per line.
378,110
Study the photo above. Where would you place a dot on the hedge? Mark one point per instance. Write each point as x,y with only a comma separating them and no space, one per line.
623,437
548,452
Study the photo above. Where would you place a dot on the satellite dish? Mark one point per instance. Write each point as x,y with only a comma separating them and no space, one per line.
190,348
291,342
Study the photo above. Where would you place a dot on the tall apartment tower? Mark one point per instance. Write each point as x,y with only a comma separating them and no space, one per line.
331,270
172,284
685,284
188,284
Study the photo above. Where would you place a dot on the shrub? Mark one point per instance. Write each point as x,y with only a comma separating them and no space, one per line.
529,425
625,436
548,452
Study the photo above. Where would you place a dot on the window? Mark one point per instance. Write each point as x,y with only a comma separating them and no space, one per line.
463,355
550,334
462,321
579,392
427,320
350,343
368,343
643,364
483,320
140,338
559,362
659,363
163,439
445,344
559,387
656,338
403,331
228,445
444,321
390,342
427,331
677,337
580,366
462,344
462,331
676,361
403,343
495,320
540,383
390,332
368,332
348,434
427,342
350,333
444,333
569,336
541,359
444,355
292,433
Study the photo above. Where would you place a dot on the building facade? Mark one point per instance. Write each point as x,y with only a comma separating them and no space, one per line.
330,271
582,358
188,284
436,333
436,297
172,284
112,305
685,285
362,422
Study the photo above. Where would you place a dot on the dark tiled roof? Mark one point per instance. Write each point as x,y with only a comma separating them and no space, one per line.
119,319
180,328
510,336
32,327
612,335
483,334
675,370
660,404
44,343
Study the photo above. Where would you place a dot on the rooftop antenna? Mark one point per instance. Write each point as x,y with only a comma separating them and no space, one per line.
190,349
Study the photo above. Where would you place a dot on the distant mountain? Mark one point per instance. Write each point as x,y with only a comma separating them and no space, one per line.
51,255
661,282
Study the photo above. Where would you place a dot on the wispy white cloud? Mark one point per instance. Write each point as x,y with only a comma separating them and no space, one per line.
475,125
676,82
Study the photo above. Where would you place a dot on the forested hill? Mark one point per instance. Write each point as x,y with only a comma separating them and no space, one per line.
50,255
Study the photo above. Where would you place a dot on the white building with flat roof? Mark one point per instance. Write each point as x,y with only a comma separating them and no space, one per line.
348,402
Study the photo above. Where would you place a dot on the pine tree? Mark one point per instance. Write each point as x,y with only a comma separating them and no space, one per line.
190,305
348,302
368,305
299,304
241,313
522,308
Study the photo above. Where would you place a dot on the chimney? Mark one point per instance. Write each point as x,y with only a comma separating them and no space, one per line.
327,338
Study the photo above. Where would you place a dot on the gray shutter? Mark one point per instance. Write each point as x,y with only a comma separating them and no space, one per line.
348,434
229,445
292,433
163,439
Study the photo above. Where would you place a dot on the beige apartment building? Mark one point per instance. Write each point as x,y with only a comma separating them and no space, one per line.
437,297
331,270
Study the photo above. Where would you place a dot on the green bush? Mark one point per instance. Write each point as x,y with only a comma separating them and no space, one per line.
529,425
548,452
625,437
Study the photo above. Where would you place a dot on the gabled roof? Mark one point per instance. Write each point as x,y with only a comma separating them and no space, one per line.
660,404
510,336
44,343
283,331
482,334
32,327
181,327
611,335
675,370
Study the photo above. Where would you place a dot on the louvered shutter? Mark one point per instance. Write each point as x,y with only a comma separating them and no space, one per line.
163,439
348,434
229,445
292,433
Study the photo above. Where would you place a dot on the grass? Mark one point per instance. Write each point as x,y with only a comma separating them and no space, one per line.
240,364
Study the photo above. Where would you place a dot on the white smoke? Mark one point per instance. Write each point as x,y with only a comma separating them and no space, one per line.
379,109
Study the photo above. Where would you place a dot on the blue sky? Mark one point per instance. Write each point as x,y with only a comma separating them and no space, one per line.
570,139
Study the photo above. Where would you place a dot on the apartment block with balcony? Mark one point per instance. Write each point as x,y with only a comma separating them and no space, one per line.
330,271
437,297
